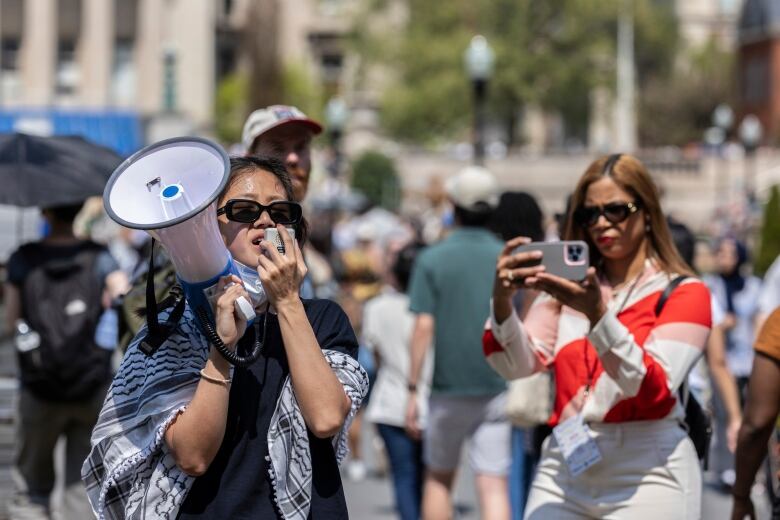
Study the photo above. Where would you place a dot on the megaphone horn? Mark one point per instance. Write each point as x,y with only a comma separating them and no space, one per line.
170,189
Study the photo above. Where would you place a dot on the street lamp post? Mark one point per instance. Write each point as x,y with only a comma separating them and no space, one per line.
751,131
723,117
722,121
336,114
169,79
479,59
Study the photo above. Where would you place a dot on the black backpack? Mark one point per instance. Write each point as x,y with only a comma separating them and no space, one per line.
698,421
61,301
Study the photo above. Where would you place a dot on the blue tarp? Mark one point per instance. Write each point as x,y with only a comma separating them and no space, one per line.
119,130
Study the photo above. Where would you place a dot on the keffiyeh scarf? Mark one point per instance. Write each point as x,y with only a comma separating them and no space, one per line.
130,472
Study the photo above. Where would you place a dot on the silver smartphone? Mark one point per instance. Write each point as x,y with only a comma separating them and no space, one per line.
272,235
568,258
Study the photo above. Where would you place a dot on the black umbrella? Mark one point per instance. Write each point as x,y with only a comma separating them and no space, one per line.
52,171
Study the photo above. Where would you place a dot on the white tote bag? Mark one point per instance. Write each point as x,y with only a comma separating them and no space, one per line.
530,400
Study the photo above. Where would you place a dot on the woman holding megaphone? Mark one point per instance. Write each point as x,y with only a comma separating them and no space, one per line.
185,434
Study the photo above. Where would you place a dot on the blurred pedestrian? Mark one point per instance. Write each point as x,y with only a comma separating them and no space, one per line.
617,447
359,280
770,292
284,133
387,329
519,215
57,291
737,293
449,293
760,418
435,220
714,353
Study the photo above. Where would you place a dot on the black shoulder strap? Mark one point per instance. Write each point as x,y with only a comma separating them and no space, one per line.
157,333
668,292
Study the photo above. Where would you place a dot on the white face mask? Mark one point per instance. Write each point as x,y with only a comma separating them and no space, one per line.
252,284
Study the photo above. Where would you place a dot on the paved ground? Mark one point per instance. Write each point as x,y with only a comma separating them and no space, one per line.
371,499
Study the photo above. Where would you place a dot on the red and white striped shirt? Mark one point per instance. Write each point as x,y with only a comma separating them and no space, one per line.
634,360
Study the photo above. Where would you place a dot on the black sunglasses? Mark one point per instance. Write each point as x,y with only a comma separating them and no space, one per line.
615,212
248,211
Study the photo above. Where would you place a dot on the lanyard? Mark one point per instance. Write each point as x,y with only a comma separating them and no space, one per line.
592,371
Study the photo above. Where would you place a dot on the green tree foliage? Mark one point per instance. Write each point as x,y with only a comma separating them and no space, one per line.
549,53
231,108
300,90
374,174
232,100
769,248
677,108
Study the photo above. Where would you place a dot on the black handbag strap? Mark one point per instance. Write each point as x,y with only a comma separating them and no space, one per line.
683,392
668,292
693,410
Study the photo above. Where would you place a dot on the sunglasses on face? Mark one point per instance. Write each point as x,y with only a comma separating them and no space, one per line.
615,212
283,212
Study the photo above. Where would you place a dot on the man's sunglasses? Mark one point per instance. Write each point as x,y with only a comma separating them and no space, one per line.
248,211
615,212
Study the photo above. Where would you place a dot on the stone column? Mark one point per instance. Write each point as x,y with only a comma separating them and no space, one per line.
96,51
148,54
39,51
193,42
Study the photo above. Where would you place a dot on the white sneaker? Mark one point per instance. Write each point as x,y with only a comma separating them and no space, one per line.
356,470
728,477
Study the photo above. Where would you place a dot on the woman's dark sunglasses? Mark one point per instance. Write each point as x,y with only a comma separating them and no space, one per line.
248,211
615,212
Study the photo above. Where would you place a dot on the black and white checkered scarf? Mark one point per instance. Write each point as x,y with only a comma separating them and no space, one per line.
130,473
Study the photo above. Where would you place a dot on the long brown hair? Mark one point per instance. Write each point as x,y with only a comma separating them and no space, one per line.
632,177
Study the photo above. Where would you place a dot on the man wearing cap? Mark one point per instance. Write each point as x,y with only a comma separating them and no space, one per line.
450,293
285,133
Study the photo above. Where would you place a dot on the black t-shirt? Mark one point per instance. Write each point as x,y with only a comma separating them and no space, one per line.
237,485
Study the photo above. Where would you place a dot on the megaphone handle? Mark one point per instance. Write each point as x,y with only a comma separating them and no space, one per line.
232,356
244,308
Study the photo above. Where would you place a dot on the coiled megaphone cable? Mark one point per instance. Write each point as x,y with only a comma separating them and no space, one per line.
233,357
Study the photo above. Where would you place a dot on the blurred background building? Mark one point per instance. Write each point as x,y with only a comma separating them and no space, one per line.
642,75
759,63
126,72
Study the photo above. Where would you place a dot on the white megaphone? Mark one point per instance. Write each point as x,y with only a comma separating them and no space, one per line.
170,190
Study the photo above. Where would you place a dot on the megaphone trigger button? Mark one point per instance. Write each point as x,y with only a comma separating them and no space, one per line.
244,308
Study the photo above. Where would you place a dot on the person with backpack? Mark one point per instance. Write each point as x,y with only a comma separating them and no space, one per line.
56,293
620,344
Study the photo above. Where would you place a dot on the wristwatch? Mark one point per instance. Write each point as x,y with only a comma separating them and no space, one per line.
411,387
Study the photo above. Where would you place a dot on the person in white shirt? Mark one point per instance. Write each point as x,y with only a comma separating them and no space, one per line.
387,331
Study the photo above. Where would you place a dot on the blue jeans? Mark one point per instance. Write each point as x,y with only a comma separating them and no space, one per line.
521,474
406,464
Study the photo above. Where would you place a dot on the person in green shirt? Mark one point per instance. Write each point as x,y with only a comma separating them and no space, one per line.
450,293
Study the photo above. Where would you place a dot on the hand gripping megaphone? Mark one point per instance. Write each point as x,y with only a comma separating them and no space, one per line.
170,189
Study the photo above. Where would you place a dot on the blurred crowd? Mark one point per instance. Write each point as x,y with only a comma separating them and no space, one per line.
421,292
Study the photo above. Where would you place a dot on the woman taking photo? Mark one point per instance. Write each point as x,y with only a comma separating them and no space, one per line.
184,435
618,449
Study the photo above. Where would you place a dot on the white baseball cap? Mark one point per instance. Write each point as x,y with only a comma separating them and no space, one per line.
264,119
473,186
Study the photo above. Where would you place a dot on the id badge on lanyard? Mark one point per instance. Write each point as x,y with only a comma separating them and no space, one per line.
579,450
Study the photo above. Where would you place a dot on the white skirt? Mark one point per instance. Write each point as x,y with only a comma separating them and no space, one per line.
649,470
